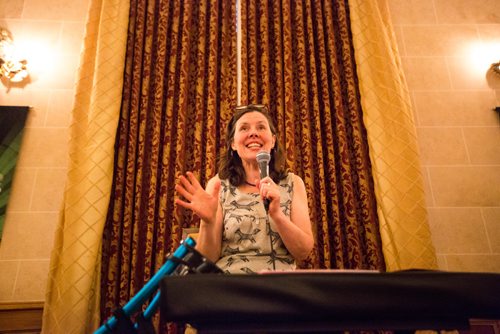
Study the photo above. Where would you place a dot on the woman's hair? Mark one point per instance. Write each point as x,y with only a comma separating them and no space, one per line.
230,166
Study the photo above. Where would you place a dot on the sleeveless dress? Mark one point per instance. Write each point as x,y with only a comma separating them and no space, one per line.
250,242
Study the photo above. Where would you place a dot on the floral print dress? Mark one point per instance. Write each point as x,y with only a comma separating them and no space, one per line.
250,242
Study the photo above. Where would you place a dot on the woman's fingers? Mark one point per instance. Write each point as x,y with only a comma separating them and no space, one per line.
189,187
194,197
185,205
267,181
183,192
266,186
187,184
193,180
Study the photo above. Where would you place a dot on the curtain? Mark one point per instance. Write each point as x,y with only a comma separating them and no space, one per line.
72,297
179,93
388,117
298,58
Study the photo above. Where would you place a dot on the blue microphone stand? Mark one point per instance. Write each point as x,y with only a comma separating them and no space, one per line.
149,288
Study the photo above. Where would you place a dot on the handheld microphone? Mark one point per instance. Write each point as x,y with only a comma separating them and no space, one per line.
263,159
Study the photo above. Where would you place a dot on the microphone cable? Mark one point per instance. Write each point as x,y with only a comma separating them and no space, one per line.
269,230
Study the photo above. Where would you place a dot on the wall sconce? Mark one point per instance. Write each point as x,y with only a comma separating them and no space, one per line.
12,68
495,67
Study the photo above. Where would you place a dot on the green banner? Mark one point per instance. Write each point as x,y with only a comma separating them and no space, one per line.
12,120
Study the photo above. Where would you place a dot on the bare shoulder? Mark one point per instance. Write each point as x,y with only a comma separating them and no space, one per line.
213,181
297,180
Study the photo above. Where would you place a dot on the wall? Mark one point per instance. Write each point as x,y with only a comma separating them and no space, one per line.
446,48
458,133
49,33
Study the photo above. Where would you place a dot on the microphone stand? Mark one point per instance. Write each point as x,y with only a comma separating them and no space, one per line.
135,303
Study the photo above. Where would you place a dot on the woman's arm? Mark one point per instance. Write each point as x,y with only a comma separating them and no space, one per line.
209,241
205,204
295,231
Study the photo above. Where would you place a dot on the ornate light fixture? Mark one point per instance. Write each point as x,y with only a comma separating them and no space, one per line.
12,68
496,67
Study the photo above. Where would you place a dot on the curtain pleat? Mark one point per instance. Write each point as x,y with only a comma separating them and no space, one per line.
179,92
298,58
72,298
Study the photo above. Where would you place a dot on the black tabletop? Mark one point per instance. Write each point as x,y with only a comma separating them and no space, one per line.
330,300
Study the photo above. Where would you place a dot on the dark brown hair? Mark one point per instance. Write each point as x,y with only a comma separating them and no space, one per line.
230,166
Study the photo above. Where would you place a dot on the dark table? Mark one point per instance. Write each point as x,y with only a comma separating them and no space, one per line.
330,300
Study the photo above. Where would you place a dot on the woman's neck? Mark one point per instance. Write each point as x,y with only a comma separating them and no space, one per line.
252,172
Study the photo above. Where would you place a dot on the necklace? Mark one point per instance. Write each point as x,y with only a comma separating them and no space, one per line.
250,184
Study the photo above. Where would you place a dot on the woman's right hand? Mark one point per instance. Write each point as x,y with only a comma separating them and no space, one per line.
202,203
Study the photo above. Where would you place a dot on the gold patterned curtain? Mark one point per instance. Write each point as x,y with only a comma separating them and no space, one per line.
298,57
72,298
179,91
387,113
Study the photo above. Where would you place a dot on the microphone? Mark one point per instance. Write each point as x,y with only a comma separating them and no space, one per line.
263,159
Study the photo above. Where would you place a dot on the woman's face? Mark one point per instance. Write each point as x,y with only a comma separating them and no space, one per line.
252,134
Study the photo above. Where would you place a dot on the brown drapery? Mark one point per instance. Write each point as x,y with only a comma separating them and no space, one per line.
179,91
298,58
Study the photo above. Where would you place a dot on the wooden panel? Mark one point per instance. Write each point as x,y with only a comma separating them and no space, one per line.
478,326
21,317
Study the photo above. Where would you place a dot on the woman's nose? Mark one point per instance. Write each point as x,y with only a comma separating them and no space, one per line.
253,133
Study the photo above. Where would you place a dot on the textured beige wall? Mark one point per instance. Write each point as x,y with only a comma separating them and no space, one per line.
446,48
459,135
49,33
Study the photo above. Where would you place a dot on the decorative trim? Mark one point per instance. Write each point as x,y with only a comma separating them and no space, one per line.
21,317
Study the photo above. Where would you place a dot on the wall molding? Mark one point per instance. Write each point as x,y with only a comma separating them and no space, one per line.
21,317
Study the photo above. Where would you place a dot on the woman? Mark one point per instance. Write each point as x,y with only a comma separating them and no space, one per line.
236,232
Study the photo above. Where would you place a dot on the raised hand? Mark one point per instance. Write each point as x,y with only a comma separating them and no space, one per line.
202,203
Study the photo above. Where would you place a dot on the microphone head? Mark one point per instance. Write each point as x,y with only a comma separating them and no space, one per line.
263,157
